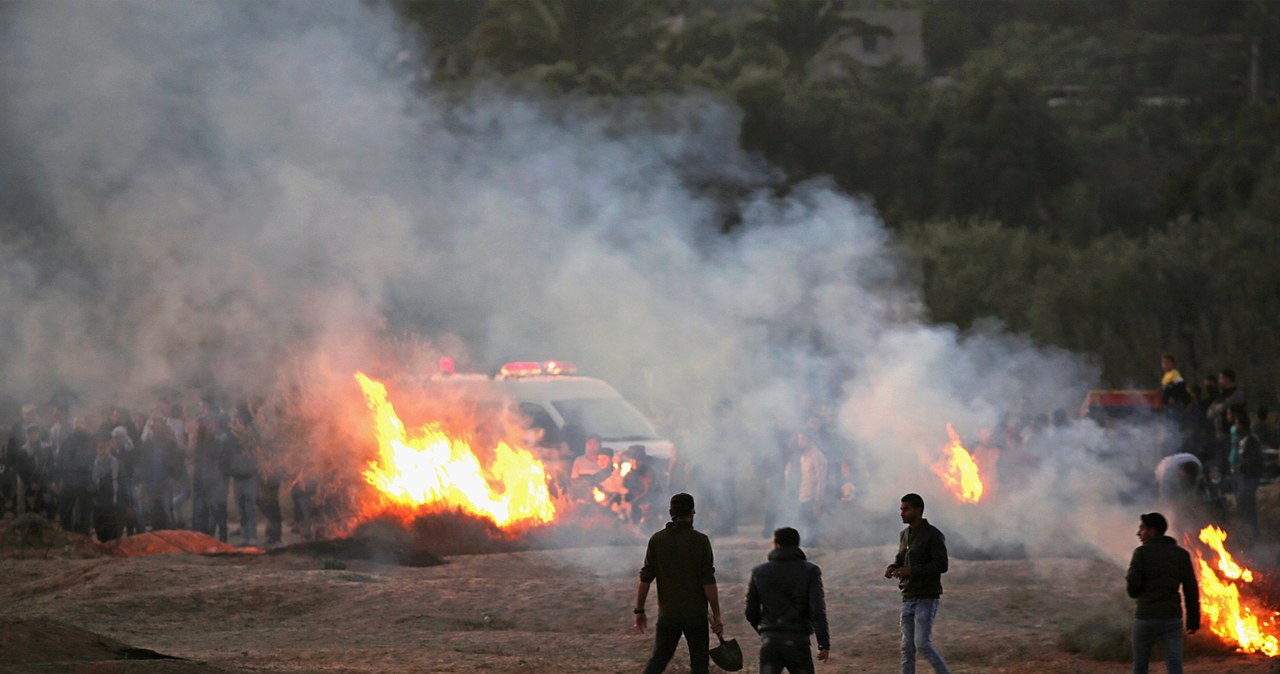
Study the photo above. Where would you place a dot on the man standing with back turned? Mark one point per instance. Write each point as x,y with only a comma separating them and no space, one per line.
679,558
785,604
918,566
1158,568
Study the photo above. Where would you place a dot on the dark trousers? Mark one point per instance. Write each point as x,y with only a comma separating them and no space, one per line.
76,507
779,654
269,504
105,522
696,635
1247,502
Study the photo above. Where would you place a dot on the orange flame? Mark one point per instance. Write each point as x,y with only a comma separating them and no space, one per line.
427,468
959,471
1238,620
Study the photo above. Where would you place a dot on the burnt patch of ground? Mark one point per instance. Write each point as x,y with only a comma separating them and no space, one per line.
425,540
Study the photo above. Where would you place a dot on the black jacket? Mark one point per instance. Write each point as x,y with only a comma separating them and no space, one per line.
922,549
679,557
785,599
1156,571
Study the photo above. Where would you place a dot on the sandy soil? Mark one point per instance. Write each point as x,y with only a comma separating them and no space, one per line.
561,610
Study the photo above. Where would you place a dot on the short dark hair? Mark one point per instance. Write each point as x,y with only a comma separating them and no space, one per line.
682,505
786,537
1228,374
1169,357
1156,522
913,500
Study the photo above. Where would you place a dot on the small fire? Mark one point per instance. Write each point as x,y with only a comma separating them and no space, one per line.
428,468
1241,621
959,471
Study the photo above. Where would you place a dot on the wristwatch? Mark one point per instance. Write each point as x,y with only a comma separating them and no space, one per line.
638,611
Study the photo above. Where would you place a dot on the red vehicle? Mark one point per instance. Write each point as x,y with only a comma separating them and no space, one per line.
1103,405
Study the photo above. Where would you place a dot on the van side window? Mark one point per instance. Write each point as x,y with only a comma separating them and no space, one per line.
539,418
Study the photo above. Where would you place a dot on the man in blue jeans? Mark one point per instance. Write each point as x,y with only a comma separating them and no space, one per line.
679,557
1158,568
918,566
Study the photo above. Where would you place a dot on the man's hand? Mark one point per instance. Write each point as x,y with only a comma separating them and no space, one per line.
888,571
641,623
716,625
823,654
902,572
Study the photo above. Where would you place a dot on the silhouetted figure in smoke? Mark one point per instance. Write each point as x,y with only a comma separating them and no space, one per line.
36,467
918,566
10,458
775,492
679,557
1230,396
105,487
126,453
75,474
161,464
724,469
209,477
242,466
1245,460
810,466
270,481
1156,571
785,604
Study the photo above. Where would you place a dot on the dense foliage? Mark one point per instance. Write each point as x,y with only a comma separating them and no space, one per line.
1101,174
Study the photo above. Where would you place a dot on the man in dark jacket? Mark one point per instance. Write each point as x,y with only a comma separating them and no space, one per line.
785,604
1158,568
918,566
679,557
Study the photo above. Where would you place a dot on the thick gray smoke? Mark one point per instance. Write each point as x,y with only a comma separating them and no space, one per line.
205,193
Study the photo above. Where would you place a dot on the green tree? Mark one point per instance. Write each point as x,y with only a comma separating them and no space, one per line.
799,30
515,35
1000,155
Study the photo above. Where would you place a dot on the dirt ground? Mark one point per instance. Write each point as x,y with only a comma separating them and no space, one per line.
70,607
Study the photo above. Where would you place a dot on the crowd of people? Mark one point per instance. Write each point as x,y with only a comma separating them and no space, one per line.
1218,458
120,473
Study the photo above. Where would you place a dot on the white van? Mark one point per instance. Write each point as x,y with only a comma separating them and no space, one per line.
568,408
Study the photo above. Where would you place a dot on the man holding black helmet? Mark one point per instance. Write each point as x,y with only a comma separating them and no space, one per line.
679,557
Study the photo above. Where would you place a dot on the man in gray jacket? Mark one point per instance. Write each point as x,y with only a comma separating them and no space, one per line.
785,604
1158,568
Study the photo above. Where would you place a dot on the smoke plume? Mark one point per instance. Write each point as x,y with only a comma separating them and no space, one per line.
203,194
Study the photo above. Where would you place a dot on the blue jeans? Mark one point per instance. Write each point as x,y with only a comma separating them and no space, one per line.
779,654
667,635
1145,633
917,635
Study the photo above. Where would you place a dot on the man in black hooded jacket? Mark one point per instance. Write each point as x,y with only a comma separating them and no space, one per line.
1158,568
785,604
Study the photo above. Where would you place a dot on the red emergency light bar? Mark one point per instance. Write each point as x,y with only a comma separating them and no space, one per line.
529,368
559,367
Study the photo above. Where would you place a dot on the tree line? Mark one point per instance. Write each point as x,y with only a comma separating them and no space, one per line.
1103,175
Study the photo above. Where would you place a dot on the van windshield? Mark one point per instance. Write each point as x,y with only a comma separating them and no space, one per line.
609,418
